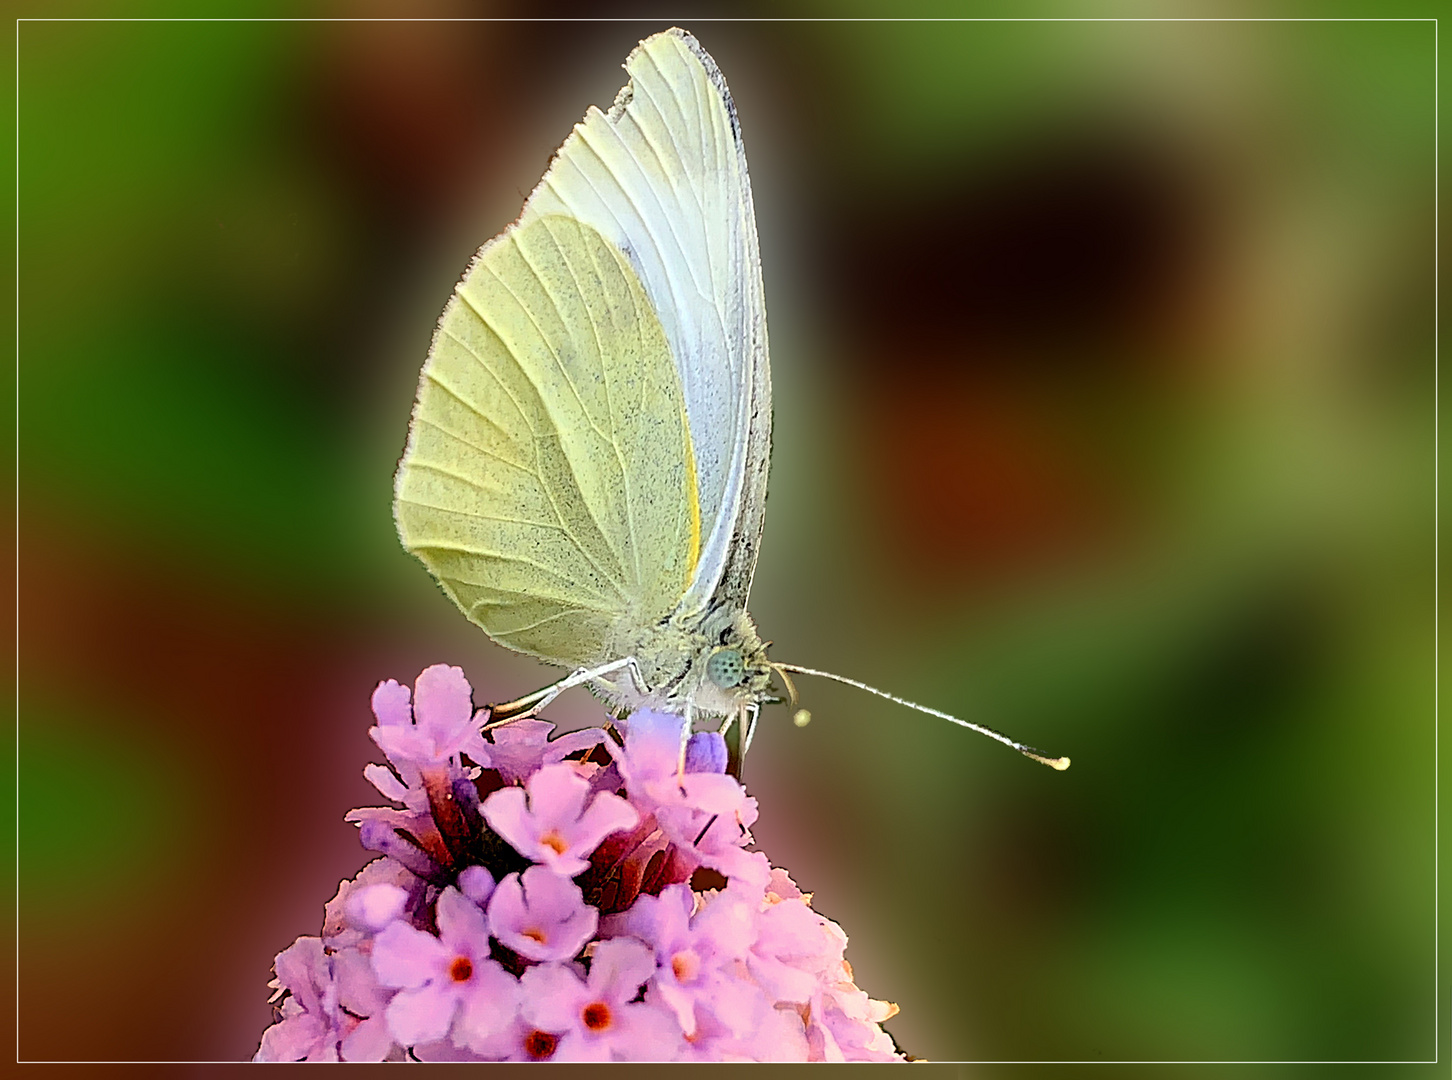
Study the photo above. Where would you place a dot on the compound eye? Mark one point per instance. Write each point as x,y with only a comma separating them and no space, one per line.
725,668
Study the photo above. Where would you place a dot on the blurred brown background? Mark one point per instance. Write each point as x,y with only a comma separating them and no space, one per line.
1104,366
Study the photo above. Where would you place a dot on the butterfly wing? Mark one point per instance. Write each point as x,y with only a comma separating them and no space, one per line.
547,483
663,177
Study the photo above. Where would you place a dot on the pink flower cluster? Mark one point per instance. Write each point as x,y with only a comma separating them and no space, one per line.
572,899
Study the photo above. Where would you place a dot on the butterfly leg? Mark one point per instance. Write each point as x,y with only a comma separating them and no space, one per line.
531,704
685,738
745,719
640,684
753,713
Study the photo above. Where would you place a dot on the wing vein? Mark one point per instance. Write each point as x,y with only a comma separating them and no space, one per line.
554,303
524,416
485,553
535,444
700,156
660,206
471,445
547,619
477,486
609,401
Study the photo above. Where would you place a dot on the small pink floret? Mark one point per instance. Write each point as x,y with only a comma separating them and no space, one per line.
554,825
541,915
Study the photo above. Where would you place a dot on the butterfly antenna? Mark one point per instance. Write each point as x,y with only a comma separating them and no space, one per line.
1059,763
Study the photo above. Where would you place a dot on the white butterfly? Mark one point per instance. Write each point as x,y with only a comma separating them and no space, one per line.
586,466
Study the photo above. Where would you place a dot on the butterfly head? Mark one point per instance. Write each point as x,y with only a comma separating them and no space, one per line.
728,669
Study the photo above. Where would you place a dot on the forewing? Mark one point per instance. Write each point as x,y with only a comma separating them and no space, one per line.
663,177
547,482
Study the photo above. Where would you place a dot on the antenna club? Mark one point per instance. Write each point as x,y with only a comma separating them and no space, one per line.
802,717
1058,764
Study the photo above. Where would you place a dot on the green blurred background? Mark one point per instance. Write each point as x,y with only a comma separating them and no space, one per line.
1104,360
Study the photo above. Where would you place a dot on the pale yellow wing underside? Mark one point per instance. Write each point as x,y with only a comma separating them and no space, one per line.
662,176
548,482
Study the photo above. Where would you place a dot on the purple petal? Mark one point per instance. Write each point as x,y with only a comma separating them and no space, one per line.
340,929
706,753
444,701
506,814
792,931
446,1050
747,868
461,924
681,1001
646,1033
490,1006
661,921
573,741
782,981
403,956
477,884
552,996
518,748
782,885
565,863
714,793
550,896
738,1004
358,989
780,1037
619,967
377,834
506,1045
652,744
507,911
377,905
571,933
557,795
302,968
607,779
541,916
422,1015
607,814
552,830
404,744
293,1039
390,705
728,923
369,1041
574,1046
388,785
472,742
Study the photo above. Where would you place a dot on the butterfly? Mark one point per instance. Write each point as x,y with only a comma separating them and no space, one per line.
586,466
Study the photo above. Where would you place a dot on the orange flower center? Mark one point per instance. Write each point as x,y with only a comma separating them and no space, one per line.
554,841
540,1045
462,969
685,965
533,935
597,1016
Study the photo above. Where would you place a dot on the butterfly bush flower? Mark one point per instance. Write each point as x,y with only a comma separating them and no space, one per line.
579,898
442,976
542,916
596,1015
555,828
